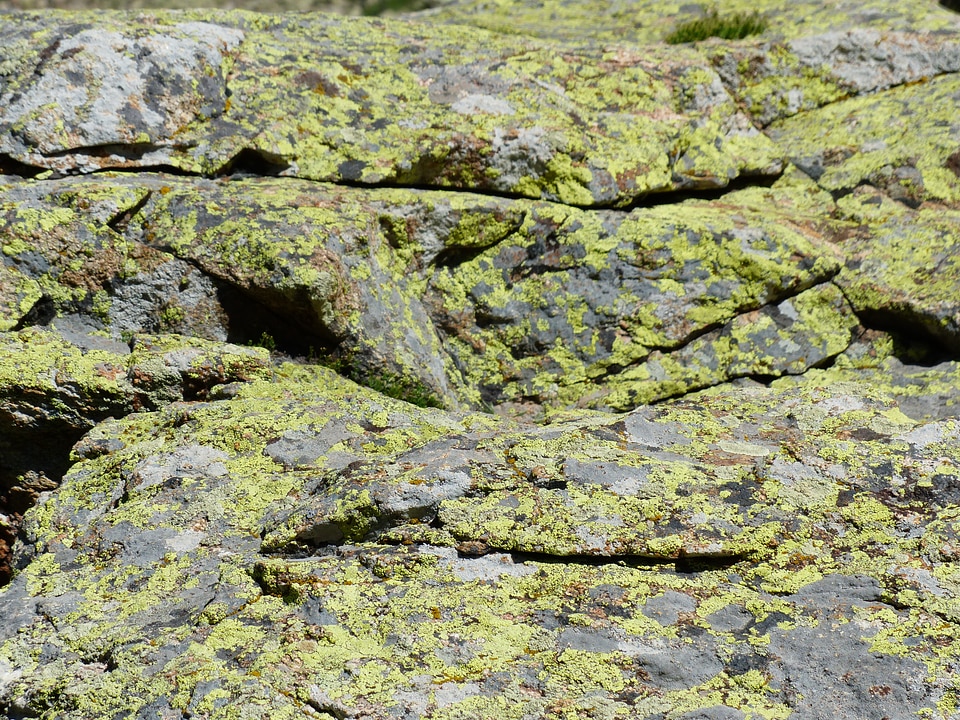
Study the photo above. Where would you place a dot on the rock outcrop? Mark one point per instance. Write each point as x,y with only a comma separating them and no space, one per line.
499,361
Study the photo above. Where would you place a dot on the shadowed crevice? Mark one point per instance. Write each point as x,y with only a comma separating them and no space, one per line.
251,162
683,563
673,197
33,460
917,338
42,312
119,222
131,152
649,200
11,166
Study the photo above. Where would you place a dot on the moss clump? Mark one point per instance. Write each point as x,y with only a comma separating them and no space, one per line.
733,26
402,388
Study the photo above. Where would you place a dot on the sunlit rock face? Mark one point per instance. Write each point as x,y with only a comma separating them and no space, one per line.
488,362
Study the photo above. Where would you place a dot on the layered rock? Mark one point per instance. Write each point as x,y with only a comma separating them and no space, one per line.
596,377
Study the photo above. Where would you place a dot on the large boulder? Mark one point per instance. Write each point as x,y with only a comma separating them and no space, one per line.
502,360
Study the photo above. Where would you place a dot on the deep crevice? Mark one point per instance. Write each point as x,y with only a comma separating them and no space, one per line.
253,322
652,199
11,166
672,197
171,170
679,395
33,460
128,151
43,312
683,563
247,162
764,379
251,162
914,342
426,187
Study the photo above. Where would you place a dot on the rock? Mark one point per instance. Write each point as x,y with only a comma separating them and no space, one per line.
497,114
487,362
647,21
172,519
887,146
907,289
52,391
777,80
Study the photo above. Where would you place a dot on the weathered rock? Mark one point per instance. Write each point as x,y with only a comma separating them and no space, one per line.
777,79
65,254
903,270
452,300
194,527
882,140
362,101
185,608
650,21
52,391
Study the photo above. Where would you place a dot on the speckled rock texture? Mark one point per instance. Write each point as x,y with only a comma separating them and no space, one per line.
501,361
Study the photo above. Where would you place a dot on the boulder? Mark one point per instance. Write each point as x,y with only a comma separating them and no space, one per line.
491,361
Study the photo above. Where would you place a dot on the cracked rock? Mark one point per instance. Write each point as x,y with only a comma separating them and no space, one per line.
489,362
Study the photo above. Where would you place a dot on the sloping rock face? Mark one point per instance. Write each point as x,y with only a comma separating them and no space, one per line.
489,363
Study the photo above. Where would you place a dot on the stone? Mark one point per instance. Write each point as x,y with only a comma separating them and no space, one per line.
888,146
497,114
648,22
182,505
493,361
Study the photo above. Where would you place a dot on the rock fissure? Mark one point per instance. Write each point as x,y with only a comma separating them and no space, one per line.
123,153
683,564
745,182
9,165
121,220
249,163
914,336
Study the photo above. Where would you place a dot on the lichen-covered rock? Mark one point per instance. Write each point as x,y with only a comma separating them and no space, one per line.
882,140
777,79
904,268
613,310
460,300
66,253
52,391
651,21
355,100
596,377
738,548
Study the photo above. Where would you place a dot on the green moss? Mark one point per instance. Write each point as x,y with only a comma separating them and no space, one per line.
729,26
402,388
